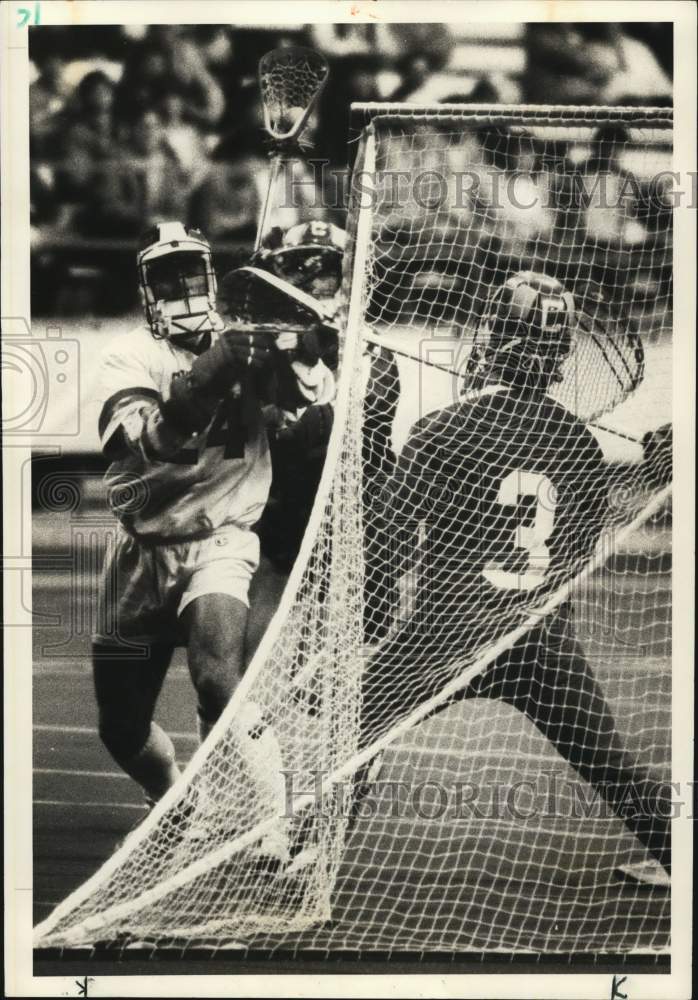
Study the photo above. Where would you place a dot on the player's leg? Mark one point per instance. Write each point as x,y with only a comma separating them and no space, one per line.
265,594
547,677
127,686
215,629
404,672
126,693
214,613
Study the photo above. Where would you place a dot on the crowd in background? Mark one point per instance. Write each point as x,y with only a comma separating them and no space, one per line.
130,125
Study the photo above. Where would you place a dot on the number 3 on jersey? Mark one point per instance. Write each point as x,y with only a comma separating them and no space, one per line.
519,485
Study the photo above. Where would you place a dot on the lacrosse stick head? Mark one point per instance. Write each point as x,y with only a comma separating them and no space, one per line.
291,80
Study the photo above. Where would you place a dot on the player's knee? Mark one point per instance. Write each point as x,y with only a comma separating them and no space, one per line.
215,672
213,693
124,739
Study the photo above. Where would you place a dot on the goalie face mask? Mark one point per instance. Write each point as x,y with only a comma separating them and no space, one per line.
308,256
525,334
178,286
536,336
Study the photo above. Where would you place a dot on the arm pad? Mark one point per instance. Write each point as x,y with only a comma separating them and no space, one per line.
194,395
310,434
188,410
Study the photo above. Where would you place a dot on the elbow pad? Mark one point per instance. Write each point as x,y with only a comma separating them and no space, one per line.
188,410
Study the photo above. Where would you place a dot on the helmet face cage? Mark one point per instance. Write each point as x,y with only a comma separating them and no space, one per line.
315,269
175,277
178,284
525,334
308,255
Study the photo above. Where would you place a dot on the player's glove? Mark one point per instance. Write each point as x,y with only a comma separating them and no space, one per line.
658,447
306,345
310,433
194,395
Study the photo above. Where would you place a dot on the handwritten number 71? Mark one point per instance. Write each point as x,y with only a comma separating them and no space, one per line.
25,15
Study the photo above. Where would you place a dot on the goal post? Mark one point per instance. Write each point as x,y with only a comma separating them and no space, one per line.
395,611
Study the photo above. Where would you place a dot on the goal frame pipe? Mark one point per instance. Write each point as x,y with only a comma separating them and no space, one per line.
380,113
351,348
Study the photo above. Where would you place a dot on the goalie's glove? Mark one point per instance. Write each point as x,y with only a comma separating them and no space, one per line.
658,446
194,395
308,435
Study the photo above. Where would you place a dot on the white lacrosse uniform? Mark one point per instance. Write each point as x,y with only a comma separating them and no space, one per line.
184,523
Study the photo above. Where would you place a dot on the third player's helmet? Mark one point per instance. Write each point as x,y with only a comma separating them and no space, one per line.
178,284
525,333
308,256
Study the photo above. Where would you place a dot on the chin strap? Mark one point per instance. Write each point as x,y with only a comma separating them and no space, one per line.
195,340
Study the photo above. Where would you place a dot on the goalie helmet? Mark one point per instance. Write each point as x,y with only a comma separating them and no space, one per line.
308,256
178,285
525,333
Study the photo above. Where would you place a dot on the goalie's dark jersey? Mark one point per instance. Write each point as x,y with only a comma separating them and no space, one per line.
499,501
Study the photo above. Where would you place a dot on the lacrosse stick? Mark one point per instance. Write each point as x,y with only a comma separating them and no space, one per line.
290,80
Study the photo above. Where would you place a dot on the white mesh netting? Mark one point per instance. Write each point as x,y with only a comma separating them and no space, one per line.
290,81
483,593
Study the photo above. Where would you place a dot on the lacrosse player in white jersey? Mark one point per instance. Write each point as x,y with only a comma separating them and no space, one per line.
189,475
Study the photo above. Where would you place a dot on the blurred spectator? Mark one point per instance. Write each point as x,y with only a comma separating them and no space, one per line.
141,184
611,191
640,79
168,60
88,137
184,139
424,50
47,99
590,63
659,38
228,203
572,61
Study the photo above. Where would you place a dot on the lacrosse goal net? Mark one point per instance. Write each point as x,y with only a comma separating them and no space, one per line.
459,844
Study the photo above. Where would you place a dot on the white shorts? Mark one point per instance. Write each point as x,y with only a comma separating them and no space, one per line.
145,588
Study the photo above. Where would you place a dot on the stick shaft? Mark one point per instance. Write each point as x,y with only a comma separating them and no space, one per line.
372,338
266,208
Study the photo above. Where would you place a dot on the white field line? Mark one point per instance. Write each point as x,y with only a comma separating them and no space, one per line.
91,805
44,727
77,773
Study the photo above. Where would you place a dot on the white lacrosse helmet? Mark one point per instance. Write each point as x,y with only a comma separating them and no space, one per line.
178,285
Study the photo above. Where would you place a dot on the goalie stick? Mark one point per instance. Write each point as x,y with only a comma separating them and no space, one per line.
385,342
